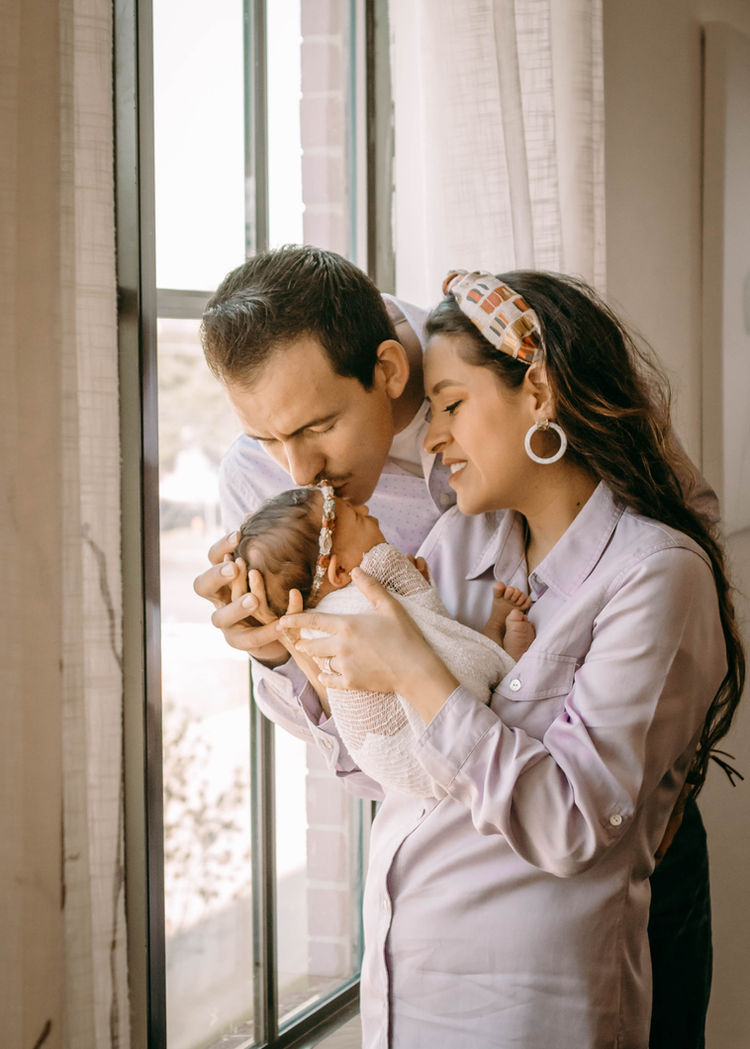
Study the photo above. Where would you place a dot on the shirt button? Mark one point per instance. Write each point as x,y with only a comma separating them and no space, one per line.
515,684
421,814
327,744
615,819
446,499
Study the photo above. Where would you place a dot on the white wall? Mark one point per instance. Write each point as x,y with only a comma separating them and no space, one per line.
653,91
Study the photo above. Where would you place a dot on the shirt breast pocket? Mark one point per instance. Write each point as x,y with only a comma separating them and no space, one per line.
533,693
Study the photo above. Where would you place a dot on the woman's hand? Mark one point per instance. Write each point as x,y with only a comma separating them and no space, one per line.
381,652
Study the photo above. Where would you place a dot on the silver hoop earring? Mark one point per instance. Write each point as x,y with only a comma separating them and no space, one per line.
545,425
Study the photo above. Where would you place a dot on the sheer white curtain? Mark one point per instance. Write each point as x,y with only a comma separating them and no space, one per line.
499,138
63,958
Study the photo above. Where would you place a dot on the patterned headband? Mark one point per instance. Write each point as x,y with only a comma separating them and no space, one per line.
502,315
325,539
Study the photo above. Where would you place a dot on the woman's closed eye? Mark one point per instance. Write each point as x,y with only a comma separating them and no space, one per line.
450,409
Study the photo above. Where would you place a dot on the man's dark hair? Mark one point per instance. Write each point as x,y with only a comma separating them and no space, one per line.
282,295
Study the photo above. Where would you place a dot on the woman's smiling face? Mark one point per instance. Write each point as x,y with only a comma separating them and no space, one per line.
478,424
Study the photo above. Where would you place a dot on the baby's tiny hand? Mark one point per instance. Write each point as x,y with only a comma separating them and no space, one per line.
421,565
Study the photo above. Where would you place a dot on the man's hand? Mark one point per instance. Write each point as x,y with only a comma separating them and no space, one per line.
241,614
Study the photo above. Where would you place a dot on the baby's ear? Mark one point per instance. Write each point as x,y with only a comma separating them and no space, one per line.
337,576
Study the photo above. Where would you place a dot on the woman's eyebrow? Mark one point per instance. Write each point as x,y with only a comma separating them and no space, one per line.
442,384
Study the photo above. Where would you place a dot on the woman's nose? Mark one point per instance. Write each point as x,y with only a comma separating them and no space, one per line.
435,437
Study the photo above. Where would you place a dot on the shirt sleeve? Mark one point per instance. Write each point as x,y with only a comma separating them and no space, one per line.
285,696
247,477
628,724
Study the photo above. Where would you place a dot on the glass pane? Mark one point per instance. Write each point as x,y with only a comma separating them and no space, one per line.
319,873
312,177
208,902
198,141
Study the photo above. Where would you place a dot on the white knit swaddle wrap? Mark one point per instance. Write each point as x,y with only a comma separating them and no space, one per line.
380,729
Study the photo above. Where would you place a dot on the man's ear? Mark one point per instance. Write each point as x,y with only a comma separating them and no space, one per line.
393,364
337,576
538,389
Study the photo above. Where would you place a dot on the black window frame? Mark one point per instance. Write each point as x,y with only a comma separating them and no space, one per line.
140,303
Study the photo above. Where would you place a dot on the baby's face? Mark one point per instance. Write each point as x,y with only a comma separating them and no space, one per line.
356,532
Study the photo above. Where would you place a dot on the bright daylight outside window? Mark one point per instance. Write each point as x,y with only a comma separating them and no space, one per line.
205,225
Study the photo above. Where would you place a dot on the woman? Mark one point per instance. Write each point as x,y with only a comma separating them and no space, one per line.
513,911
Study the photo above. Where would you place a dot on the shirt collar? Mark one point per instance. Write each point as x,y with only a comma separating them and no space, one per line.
572,558
575,555
501,529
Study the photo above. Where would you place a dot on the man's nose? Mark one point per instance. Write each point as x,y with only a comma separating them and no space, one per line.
305,465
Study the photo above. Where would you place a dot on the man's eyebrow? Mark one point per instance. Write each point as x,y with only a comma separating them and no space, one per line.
286,436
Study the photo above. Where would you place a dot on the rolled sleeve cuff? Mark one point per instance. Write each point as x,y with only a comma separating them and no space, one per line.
452,736
286,697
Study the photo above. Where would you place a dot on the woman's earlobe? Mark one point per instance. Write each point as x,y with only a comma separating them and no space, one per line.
338,576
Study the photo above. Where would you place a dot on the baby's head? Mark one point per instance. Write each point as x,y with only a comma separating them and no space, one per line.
283,541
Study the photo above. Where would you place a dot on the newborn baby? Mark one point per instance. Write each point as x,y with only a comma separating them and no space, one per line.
309,540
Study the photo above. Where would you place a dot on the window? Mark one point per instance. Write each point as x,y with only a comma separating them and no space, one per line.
241,125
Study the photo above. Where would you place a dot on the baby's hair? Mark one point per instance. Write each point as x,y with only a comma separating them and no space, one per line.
280,540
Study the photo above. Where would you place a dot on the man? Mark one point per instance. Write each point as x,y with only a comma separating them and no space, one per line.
308,353
325,376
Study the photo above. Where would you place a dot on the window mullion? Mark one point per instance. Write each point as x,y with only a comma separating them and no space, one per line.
134,104
262,768
179,304
263,824
256,128
379,149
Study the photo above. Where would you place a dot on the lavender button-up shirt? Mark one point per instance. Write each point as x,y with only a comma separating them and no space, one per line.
513,912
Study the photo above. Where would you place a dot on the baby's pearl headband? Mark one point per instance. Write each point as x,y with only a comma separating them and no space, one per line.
325,539
503,316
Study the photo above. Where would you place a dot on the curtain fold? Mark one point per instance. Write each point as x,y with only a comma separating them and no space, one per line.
64,950
95,935
499,138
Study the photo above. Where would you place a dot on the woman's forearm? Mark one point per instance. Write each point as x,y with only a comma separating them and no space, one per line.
426,684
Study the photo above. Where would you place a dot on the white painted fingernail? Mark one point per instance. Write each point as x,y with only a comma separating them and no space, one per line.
228,569
249,601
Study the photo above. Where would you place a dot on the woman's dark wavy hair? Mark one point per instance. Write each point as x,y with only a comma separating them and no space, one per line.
613,402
